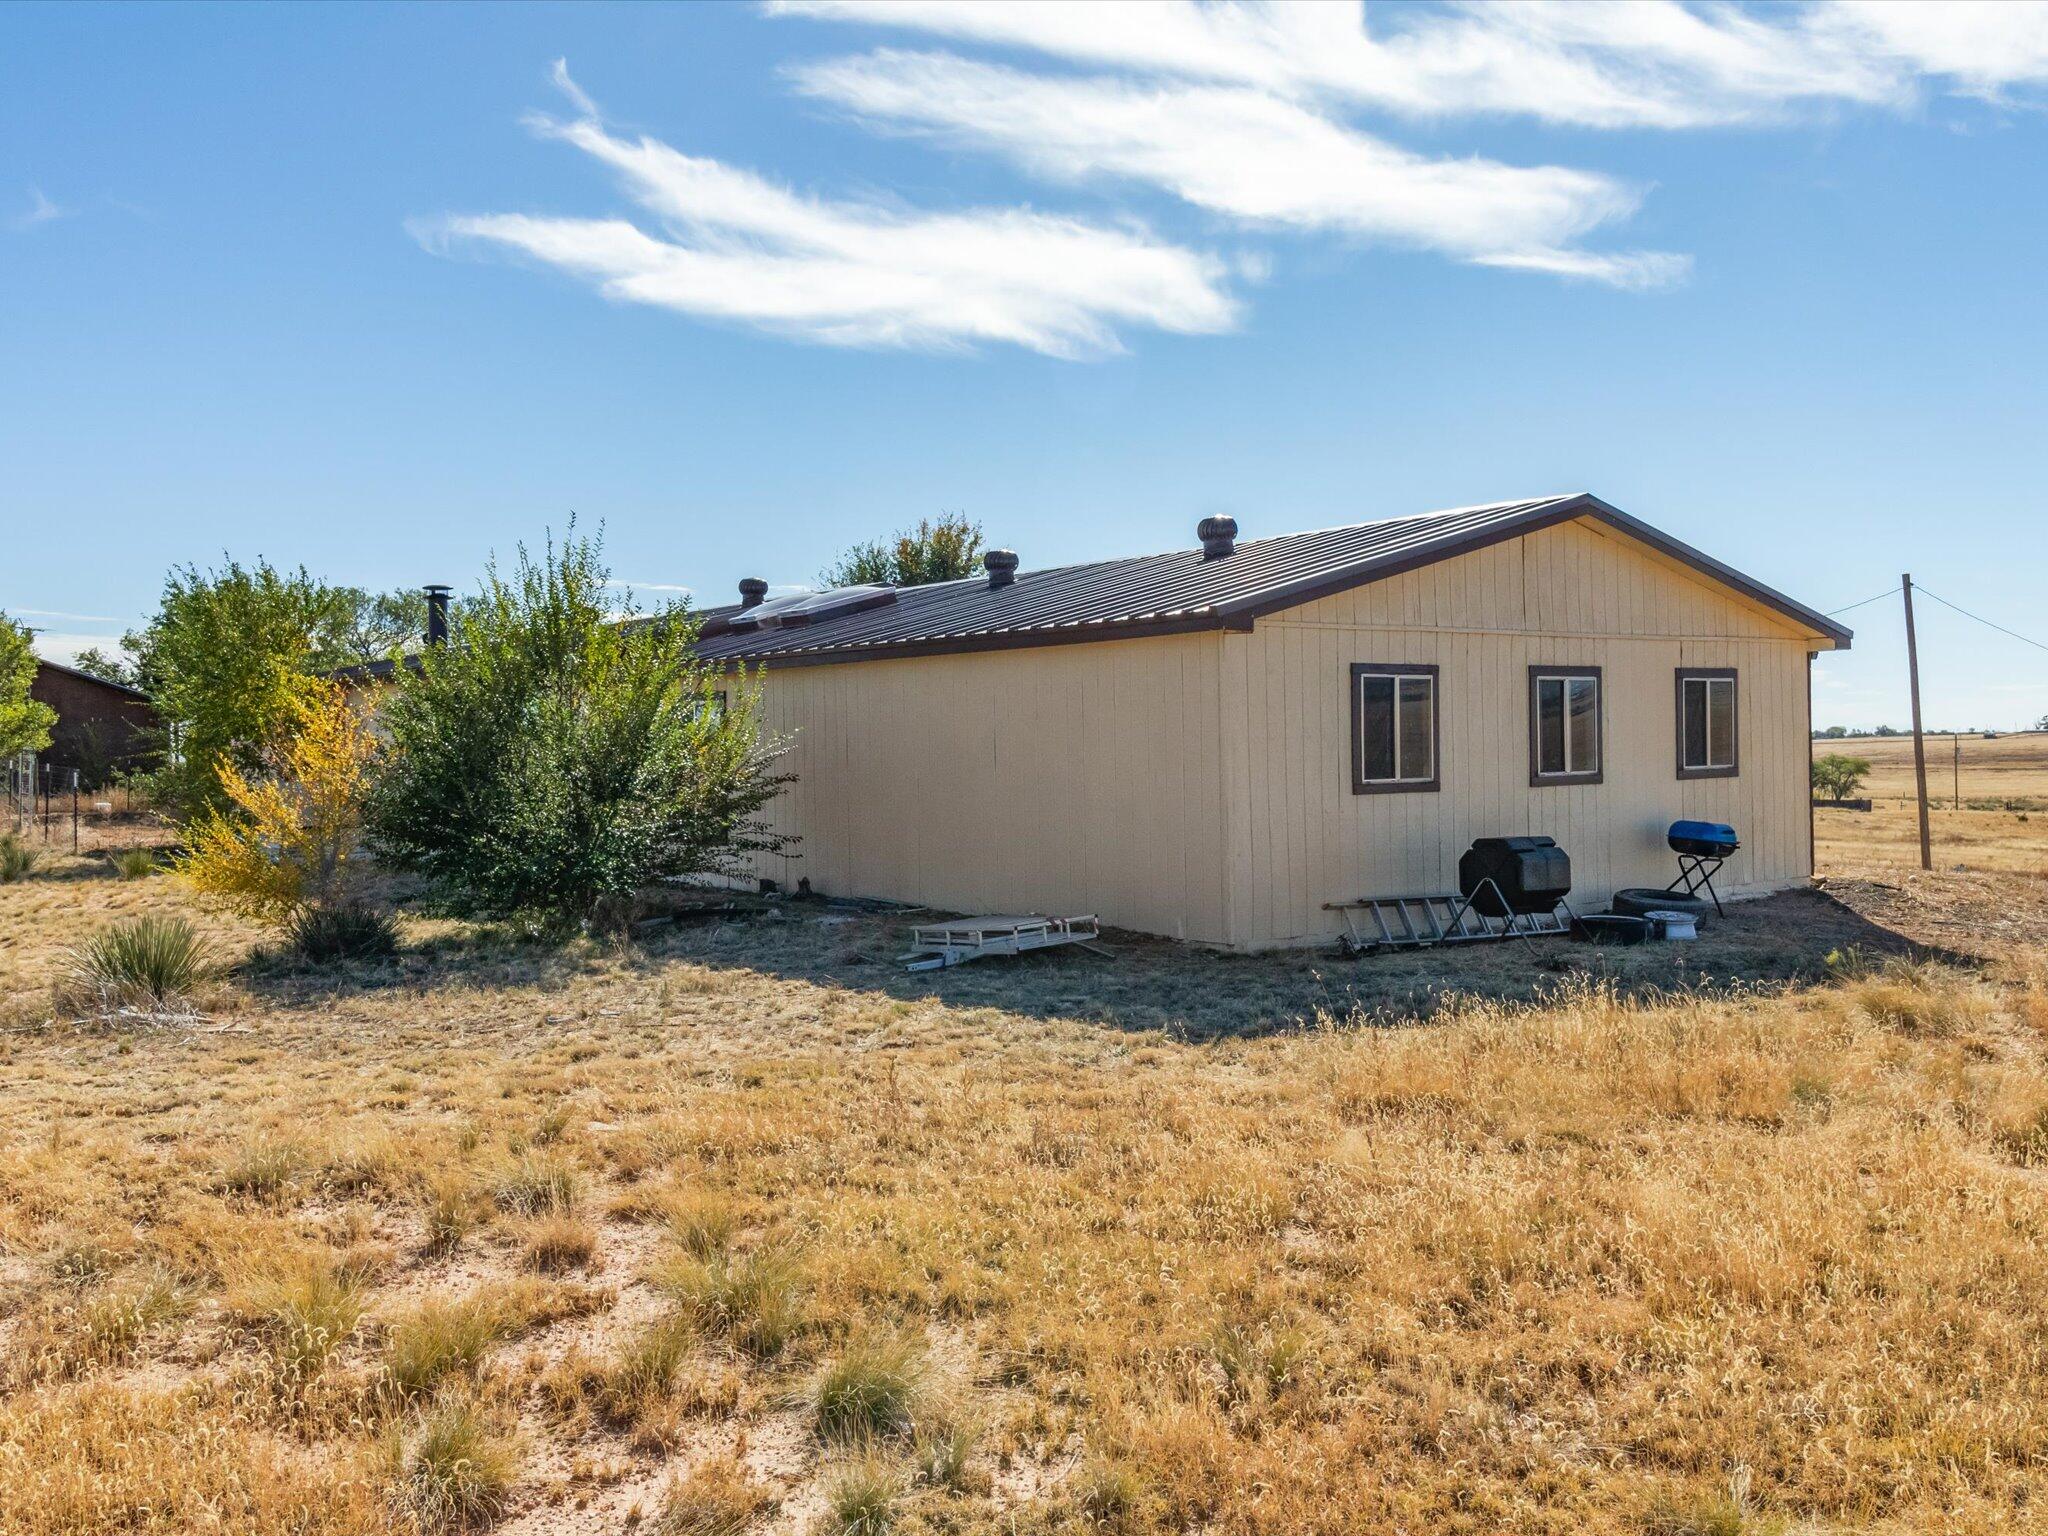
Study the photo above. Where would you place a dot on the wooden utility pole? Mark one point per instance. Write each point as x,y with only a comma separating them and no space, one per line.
1957,782
1919,744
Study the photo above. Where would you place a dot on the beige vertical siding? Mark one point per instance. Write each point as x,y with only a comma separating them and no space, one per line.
1199,786
1068,778
1576,595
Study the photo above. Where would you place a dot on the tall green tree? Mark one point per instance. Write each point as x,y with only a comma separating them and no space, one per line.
371,626
24,722
942,550
1837,776
558,755
94,662
231,658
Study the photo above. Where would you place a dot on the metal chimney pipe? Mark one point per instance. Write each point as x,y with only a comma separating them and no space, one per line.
437,614
752,590
1001,565
1218,536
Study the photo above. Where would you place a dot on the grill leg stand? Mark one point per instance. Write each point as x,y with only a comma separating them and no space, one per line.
1696,873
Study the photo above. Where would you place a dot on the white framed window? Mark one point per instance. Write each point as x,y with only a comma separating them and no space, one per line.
1394,729
1564,725
1709,745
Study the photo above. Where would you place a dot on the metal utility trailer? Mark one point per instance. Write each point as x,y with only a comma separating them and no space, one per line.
935,946
1421,922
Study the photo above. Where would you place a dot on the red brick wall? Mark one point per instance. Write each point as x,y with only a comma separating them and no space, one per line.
84,702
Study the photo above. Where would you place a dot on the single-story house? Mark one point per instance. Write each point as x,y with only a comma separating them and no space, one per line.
101,726
1213,742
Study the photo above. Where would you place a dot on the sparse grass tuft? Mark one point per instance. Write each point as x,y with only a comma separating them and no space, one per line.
455,1467
941,1453
17,859
307,1315
538,1185
753,1301
872,1391
134,863
717,1498
633,1382
1110,1492
144,962
105,1326
1724,1514
860,1499
263,1170
701,1221
448,1210
440,1338
557,1243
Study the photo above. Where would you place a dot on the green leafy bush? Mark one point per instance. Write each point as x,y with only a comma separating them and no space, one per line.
557,755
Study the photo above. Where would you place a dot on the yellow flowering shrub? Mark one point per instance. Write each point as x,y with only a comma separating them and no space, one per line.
291,838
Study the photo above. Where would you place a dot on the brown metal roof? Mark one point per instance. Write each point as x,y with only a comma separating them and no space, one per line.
1181,590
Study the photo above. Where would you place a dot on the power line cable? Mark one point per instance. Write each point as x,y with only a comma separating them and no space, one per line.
2036,644
1888,592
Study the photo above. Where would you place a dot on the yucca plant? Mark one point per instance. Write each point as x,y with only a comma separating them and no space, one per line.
348,931
16,858
142,962
134,863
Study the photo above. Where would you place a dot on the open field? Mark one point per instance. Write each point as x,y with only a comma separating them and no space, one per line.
741,1229
2002,823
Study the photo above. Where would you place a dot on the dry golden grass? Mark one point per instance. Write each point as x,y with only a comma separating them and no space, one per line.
1038,1248
1990,814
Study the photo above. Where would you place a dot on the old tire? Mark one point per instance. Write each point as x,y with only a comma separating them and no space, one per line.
1611,928
1637,900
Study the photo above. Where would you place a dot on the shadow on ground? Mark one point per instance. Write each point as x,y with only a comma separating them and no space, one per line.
1145,983
1142,983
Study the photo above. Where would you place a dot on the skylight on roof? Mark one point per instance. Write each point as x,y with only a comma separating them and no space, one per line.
812,607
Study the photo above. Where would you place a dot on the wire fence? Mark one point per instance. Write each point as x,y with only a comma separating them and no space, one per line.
48,807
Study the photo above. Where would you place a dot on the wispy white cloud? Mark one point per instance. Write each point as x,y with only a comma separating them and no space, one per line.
52,613
1637,63
1253,156
40,210
734,246
651,586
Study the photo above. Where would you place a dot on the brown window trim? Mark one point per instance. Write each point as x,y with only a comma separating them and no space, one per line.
1598,775
1435,782
1711,674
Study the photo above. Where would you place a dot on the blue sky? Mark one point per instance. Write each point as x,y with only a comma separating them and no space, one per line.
382,290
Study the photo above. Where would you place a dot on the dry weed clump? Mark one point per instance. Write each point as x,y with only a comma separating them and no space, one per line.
718,1498
454,1467
754,1301
443,1337
557,1243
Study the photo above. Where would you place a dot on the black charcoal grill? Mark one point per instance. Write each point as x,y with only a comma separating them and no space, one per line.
1702,847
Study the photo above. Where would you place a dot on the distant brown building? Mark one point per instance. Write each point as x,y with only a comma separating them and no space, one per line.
101,726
